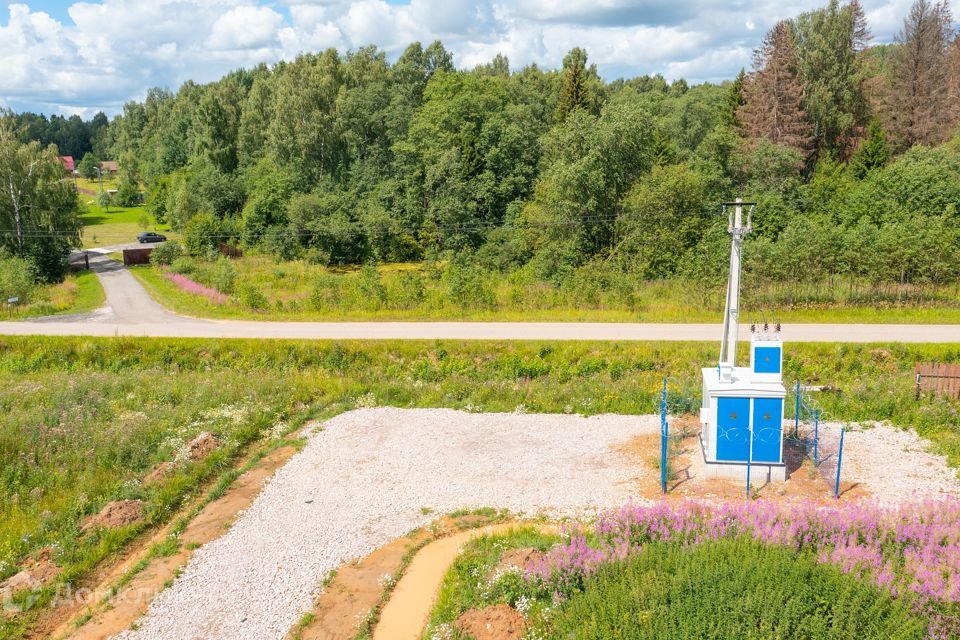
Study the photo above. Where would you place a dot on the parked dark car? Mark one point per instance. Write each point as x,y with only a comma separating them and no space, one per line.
150,236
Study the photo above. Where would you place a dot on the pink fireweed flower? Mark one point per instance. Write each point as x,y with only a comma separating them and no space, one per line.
186,284
911,551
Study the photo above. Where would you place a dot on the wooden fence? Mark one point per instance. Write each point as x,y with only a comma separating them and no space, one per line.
137,256
941,380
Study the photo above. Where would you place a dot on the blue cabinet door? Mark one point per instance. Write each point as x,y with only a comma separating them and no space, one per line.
767,429
766,360
733,429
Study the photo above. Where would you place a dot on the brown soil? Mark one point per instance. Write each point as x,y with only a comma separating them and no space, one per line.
122,609
499,622
358,587
519,559
202,446
115,514
159,473
109,617
35,573
688,479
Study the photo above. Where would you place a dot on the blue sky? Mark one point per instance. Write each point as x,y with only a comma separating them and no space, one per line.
81,57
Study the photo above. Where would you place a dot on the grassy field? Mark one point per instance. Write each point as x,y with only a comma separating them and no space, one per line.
84,420
78,293
118,225
261,287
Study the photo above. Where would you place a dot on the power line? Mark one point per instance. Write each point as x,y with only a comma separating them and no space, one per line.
425,227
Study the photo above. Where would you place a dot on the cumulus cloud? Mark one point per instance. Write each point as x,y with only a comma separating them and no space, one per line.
100,53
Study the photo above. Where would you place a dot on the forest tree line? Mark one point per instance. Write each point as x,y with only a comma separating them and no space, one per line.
847,148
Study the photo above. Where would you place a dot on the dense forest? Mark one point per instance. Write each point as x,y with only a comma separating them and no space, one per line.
334,158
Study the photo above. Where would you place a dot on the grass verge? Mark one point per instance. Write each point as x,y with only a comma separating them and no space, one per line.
263,288
80,292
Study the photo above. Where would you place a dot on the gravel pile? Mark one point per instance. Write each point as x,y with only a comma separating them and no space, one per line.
366,479
894,465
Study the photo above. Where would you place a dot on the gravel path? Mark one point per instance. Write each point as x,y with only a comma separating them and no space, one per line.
362,481
894,465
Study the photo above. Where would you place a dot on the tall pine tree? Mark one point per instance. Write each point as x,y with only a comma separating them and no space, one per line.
773,96
873,153
916,107
574,92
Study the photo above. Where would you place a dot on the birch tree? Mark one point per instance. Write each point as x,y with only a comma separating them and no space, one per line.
38,204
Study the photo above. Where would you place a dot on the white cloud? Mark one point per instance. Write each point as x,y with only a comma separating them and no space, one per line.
109,51
245,28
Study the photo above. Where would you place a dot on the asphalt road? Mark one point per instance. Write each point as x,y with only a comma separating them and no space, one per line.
130,311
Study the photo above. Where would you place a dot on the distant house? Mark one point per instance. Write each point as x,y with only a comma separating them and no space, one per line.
68,165
109,167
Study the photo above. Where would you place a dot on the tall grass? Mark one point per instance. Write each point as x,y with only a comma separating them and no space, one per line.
299,290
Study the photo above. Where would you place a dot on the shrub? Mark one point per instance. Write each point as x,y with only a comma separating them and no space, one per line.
468,284
325,293
224,276
252,297
183,265
201,234
166,252
17,278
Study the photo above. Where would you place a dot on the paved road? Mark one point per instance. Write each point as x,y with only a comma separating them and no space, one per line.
130,311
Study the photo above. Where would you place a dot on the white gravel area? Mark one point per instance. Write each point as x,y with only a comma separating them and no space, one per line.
362,481
894,465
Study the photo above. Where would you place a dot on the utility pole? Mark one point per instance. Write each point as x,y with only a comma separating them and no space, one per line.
738,231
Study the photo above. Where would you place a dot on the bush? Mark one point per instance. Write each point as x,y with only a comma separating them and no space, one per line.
201,234
166,253
183,265
224,276
252,297
728,590
326,292
17,278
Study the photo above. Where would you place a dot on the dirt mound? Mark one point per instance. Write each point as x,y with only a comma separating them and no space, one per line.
499,622
519,558
202,446
116,514
159,473
36,573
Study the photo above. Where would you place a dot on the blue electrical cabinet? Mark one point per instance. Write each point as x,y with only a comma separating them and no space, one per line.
767,428
733,429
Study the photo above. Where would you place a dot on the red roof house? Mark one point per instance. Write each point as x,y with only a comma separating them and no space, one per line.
67,164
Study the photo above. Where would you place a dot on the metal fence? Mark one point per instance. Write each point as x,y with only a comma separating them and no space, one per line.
821,441
674,400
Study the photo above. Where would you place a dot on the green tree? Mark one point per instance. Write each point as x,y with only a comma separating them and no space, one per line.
829,44
202,235
873,152
575,90
38,206
88,166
